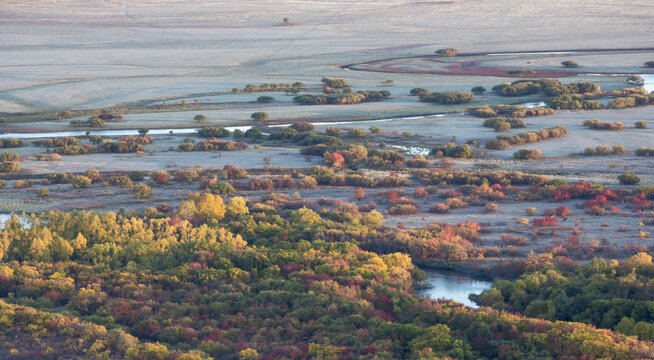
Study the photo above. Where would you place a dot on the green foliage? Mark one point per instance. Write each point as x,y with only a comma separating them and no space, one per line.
570,64
448,97
528,154
456,151
628,178
265,99
213,132
259,116
142,191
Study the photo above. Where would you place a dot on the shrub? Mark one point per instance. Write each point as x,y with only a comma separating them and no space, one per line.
56,142
94,121
333,131
513,123
213,132
356,133
456,151
439,209
186,146
259,116
604,125
419,91
403,209
120,146
503,142
641,124
265,99
136,175
478,90
93,174
418,161
645,151
449,52
223,188
9,167
21,184
308,182
628,178
74,149
528,154
10,143
547,221
261,184
160,176
142,191
48,157
375,129
121,180
200,118
302,126
448,97
570,64
502,126
43,192
80,182
491,207
605,150
9,156
334,82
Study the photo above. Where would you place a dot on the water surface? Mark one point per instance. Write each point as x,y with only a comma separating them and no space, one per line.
454,286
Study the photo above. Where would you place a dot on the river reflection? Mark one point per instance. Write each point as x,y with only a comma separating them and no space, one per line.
454,286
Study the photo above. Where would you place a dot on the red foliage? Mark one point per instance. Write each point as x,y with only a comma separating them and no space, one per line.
335,159
420,192
546,221
562,211
359,193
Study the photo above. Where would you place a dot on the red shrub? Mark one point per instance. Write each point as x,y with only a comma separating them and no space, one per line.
562,211
547,221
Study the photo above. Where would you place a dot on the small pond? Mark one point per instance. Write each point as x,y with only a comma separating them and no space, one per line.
453,286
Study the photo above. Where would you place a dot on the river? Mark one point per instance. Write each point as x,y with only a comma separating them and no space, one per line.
454,286
126,132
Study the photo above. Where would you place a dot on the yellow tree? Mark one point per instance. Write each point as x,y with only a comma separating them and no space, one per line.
236,206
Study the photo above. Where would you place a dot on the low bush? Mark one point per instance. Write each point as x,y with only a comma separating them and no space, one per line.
513,123
645,151
10,143
641,124
449,52
80,181
48,157
56,142
570,64
456,151
628,178
448,97
213,132
74,149
605,150
9,167
142,191
504,142
547,221
528,154
9,156
604,125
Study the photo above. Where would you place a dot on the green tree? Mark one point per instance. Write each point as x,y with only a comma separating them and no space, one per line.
259,116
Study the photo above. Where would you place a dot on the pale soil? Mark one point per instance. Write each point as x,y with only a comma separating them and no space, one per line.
91,53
